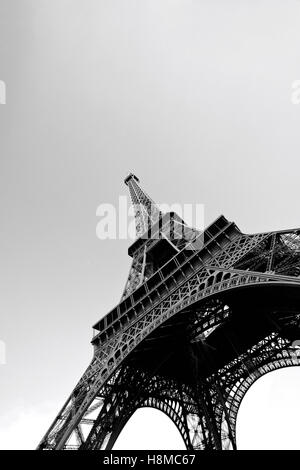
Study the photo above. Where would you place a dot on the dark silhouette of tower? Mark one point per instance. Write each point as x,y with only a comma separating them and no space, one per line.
203,315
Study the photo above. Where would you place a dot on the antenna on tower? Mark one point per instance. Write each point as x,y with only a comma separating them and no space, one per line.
146,212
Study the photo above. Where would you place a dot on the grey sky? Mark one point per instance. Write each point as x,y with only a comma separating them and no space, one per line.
193,96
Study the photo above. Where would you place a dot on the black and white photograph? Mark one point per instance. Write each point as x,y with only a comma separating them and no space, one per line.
149,228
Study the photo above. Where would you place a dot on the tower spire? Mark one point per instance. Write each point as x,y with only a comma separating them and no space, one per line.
146,211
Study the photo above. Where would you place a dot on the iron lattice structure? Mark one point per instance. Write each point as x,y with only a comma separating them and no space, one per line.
202,316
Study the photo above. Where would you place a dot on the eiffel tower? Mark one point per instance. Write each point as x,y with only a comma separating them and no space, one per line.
203,315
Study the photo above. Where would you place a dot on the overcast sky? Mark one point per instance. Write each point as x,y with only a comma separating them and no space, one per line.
194,96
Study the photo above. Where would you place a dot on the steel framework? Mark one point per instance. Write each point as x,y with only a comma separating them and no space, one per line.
202,316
